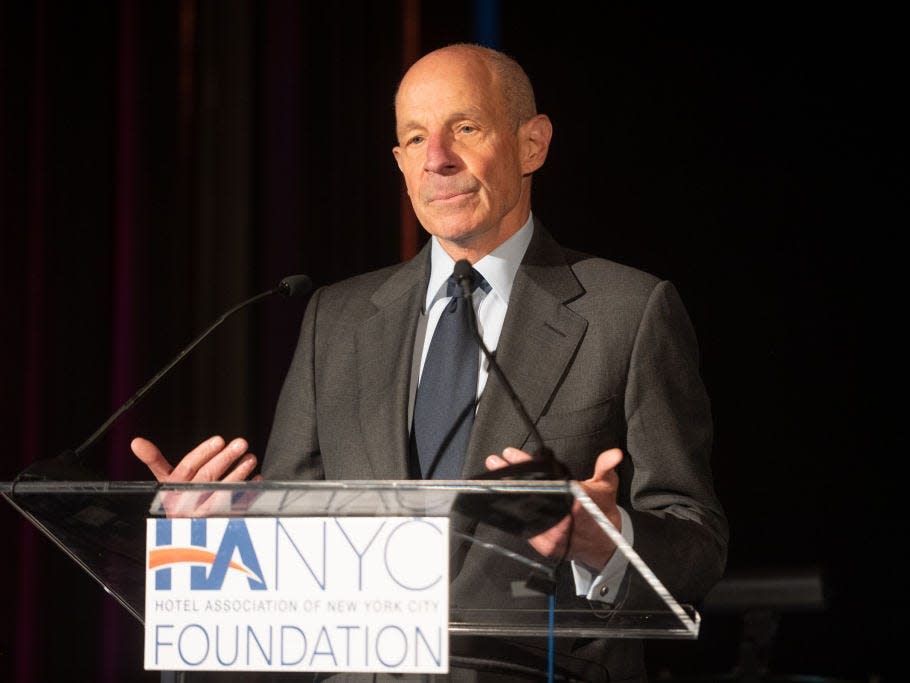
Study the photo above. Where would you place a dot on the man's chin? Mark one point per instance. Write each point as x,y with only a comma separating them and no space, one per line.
458,231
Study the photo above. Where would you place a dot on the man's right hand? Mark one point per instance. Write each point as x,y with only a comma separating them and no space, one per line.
210,461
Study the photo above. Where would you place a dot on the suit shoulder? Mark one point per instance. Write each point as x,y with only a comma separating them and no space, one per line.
360,296
597,274
622,289
362,284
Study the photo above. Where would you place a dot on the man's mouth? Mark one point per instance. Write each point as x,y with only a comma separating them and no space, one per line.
448,195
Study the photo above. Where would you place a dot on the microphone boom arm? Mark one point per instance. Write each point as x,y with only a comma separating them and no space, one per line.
167,368
552,468
67,465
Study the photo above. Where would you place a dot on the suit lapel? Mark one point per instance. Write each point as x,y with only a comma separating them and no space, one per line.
539,338
385,349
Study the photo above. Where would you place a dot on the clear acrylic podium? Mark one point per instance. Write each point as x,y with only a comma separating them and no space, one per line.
101,525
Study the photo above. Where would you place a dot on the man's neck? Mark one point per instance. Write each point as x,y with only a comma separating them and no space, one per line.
475,249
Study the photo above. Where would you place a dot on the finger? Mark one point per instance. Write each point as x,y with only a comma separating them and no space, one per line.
153,458
189,466
181,503
217,502
494,462
515,455
226,460
242,470
553,542
606,463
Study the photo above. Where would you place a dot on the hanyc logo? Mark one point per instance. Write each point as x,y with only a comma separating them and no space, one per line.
207,569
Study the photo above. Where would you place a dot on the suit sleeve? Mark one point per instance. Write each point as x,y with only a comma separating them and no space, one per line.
293,451
680,527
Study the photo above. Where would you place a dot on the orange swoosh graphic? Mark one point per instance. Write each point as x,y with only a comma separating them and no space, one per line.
160,557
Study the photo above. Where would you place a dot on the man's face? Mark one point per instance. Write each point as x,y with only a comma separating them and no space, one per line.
460,154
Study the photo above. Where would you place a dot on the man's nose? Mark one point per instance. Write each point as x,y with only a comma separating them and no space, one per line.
441,157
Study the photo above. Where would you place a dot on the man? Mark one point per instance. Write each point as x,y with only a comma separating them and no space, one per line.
602,356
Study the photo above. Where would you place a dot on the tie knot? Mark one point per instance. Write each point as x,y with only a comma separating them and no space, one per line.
476,279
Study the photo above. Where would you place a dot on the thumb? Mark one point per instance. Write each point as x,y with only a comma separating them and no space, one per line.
153,458
605,463
145,450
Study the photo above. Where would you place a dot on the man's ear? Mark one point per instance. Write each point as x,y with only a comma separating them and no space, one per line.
396,151
534,141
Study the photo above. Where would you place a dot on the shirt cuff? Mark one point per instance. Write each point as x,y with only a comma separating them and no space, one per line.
604,586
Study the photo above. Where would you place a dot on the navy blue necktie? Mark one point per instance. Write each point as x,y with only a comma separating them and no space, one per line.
447,393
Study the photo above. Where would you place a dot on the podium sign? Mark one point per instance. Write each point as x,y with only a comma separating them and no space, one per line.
496,588
327,594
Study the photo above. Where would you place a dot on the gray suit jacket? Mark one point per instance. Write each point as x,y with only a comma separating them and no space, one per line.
601,355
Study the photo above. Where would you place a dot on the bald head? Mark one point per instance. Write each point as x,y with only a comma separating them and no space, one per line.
505,77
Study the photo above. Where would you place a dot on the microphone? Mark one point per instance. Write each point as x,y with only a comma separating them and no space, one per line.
544,466
528,514
68,466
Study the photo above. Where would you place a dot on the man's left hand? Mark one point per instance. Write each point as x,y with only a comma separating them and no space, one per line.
588,544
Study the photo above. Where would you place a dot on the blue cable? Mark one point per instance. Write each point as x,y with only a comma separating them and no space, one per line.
551,600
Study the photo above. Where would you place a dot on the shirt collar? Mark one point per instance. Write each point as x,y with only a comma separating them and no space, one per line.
498,267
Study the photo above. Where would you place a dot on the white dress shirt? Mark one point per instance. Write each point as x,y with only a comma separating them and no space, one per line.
498,269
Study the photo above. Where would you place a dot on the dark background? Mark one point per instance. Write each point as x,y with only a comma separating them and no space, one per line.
162,161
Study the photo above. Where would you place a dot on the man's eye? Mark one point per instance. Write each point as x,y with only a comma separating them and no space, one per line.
467,129
416,140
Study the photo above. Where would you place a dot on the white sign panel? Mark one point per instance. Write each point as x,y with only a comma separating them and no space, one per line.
364,594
